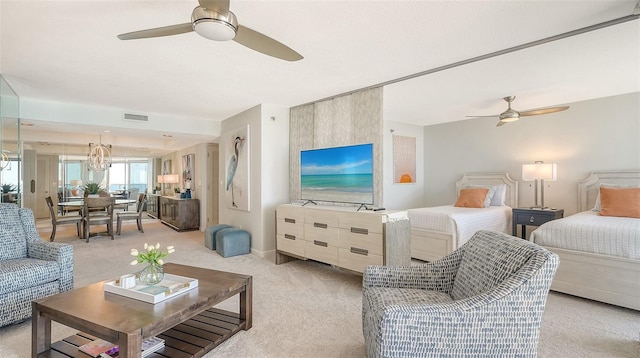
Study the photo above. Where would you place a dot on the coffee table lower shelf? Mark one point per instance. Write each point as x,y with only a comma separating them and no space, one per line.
192,338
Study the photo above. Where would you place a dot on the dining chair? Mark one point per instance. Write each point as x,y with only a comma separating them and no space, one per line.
92,216
57,220
130,215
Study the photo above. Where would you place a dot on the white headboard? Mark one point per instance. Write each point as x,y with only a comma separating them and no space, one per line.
511,198
589,188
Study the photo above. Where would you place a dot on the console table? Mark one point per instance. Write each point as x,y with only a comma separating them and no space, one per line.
342,236
180,214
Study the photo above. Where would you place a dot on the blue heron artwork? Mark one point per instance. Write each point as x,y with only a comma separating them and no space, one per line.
237,176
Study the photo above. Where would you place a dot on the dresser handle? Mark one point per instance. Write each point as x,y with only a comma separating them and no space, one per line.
291,221
531,219
358,251
320,243
289,236
357,230
320,225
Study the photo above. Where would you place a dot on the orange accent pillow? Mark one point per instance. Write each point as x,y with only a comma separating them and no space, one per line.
471,198
623,202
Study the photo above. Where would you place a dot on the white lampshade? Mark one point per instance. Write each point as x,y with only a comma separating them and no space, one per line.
214,30
539,171
171,178
76,182
160,179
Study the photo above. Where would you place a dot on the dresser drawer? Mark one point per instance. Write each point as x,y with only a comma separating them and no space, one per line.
327,234
291,245
356,260
283,227
535,219
321,251
321,218
371,242
361,222
290,214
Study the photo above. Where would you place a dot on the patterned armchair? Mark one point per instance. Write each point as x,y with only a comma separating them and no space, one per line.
29,267
485,299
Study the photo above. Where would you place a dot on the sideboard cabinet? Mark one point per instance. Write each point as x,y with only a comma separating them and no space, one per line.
153,206
342,236
180,214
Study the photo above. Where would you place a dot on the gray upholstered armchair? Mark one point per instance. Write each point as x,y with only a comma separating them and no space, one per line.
30,268
485,299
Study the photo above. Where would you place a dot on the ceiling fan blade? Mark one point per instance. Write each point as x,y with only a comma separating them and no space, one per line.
222,5
535,112
265,44
157,32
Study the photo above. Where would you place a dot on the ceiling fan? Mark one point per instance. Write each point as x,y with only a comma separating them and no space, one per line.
213,20
511,115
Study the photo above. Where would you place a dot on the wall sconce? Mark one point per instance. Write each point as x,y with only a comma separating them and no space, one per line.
539,172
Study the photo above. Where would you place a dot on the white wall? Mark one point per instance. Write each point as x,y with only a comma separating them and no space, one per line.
269,170
402,196
600,134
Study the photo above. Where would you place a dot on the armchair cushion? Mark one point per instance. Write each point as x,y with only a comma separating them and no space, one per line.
25,273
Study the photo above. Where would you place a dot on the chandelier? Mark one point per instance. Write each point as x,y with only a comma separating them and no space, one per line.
4,160
99,157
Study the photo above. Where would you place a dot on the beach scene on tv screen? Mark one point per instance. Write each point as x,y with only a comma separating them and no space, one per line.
339,174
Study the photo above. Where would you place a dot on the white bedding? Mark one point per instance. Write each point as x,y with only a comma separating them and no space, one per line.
590,232
461,222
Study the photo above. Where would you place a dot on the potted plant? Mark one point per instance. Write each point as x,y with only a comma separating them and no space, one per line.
92,189
7,188
176,192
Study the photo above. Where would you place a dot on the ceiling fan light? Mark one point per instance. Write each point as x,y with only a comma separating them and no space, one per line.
214,30
509,116
214,25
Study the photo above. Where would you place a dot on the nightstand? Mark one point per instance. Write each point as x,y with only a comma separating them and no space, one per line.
534,217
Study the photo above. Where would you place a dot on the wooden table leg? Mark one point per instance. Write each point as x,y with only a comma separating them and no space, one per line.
130,345
40,331
246,304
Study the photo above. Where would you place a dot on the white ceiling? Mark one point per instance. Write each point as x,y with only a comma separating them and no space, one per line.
67,51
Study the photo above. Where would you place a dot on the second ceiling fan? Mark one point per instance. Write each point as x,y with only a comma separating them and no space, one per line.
511,115
213,20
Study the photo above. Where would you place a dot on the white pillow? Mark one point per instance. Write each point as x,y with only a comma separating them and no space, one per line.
499,196
495,194
596,208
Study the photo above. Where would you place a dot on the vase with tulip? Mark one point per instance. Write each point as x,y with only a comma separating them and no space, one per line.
153,254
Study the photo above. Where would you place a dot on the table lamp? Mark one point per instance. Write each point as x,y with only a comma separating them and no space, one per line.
539,172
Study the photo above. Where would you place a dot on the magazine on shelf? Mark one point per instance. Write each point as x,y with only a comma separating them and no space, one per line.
170,286
151,345
99,347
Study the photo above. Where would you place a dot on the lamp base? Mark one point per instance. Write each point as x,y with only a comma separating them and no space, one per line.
539,207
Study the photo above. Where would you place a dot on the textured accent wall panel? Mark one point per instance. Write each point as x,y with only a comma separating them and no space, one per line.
345,120
300,137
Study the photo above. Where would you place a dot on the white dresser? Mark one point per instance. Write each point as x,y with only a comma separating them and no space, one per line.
342,236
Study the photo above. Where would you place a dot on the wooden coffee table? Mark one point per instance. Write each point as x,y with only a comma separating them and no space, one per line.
188,323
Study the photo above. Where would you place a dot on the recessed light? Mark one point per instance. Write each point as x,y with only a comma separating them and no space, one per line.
26,124
167,135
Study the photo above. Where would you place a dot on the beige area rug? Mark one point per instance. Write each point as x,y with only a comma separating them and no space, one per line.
308,309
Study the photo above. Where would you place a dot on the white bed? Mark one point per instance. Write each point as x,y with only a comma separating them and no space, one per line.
607,267
437,231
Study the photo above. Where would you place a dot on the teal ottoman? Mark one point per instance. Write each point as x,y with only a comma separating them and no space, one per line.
210,235
233,242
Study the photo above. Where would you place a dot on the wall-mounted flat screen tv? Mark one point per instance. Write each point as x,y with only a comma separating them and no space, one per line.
338,174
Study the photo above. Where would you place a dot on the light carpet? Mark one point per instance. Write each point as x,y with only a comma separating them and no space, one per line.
308,309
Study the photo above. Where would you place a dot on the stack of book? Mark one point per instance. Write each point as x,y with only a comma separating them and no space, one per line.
100,348
151,345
